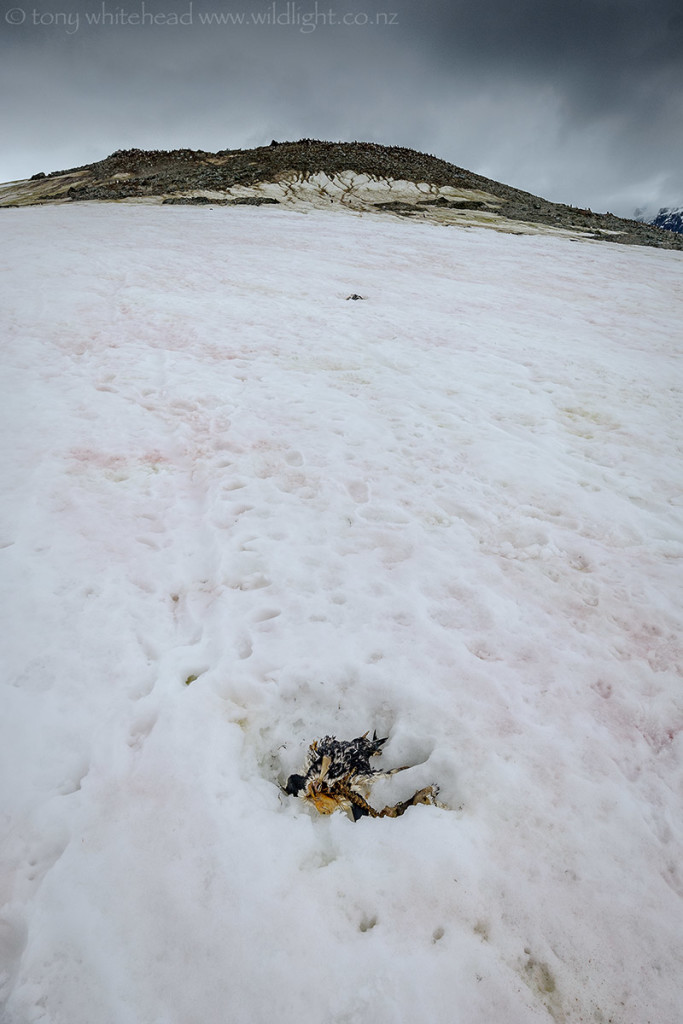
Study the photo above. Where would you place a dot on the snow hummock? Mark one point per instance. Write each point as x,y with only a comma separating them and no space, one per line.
242,512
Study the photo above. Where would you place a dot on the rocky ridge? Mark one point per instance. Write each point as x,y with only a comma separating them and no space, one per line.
360,176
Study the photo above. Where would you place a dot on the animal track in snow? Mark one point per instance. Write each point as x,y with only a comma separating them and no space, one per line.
483,652
13,939
252,581
384,514
150,650
141,687
140,729
266,614
297,483
446,615
72,780
603,688
42,855
151,542
245,647
358,490
240,510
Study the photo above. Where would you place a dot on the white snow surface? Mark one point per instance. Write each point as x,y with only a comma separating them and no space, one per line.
451,512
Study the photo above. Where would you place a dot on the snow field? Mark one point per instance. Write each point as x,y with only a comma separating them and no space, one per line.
450,512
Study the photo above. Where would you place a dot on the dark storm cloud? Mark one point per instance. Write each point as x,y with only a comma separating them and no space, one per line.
543,33
601,84
597,50
579,100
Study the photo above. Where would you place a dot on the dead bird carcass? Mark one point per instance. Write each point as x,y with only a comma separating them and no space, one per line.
337,775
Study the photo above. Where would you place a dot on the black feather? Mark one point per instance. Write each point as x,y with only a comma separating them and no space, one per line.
294,784
358,812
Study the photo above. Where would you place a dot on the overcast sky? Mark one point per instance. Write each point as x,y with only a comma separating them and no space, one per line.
580,101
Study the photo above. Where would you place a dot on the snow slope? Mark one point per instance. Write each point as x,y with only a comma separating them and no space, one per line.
241,512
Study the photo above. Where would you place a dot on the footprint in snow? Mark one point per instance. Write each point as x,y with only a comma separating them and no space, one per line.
294,458
358,490
141,729
244,647
266,615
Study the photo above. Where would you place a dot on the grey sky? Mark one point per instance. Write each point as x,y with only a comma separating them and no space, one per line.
580,101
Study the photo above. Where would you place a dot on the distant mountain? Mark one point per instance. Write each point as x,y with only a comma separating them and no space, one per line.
671,219
668,218
359,176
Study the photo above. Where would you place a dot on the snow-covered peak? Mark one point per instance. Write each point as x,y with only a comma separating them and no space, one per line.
667,217
670,218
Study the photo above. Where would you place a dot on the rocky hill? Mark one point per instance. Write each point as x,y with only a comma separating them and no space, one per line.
360,176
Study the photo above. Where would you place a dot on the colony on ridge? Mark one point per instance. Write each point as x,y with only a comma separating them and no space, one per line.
184,176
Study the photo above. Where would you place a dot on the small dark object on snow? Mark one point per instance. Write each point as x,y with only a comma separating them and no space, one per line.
338,776
354,296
